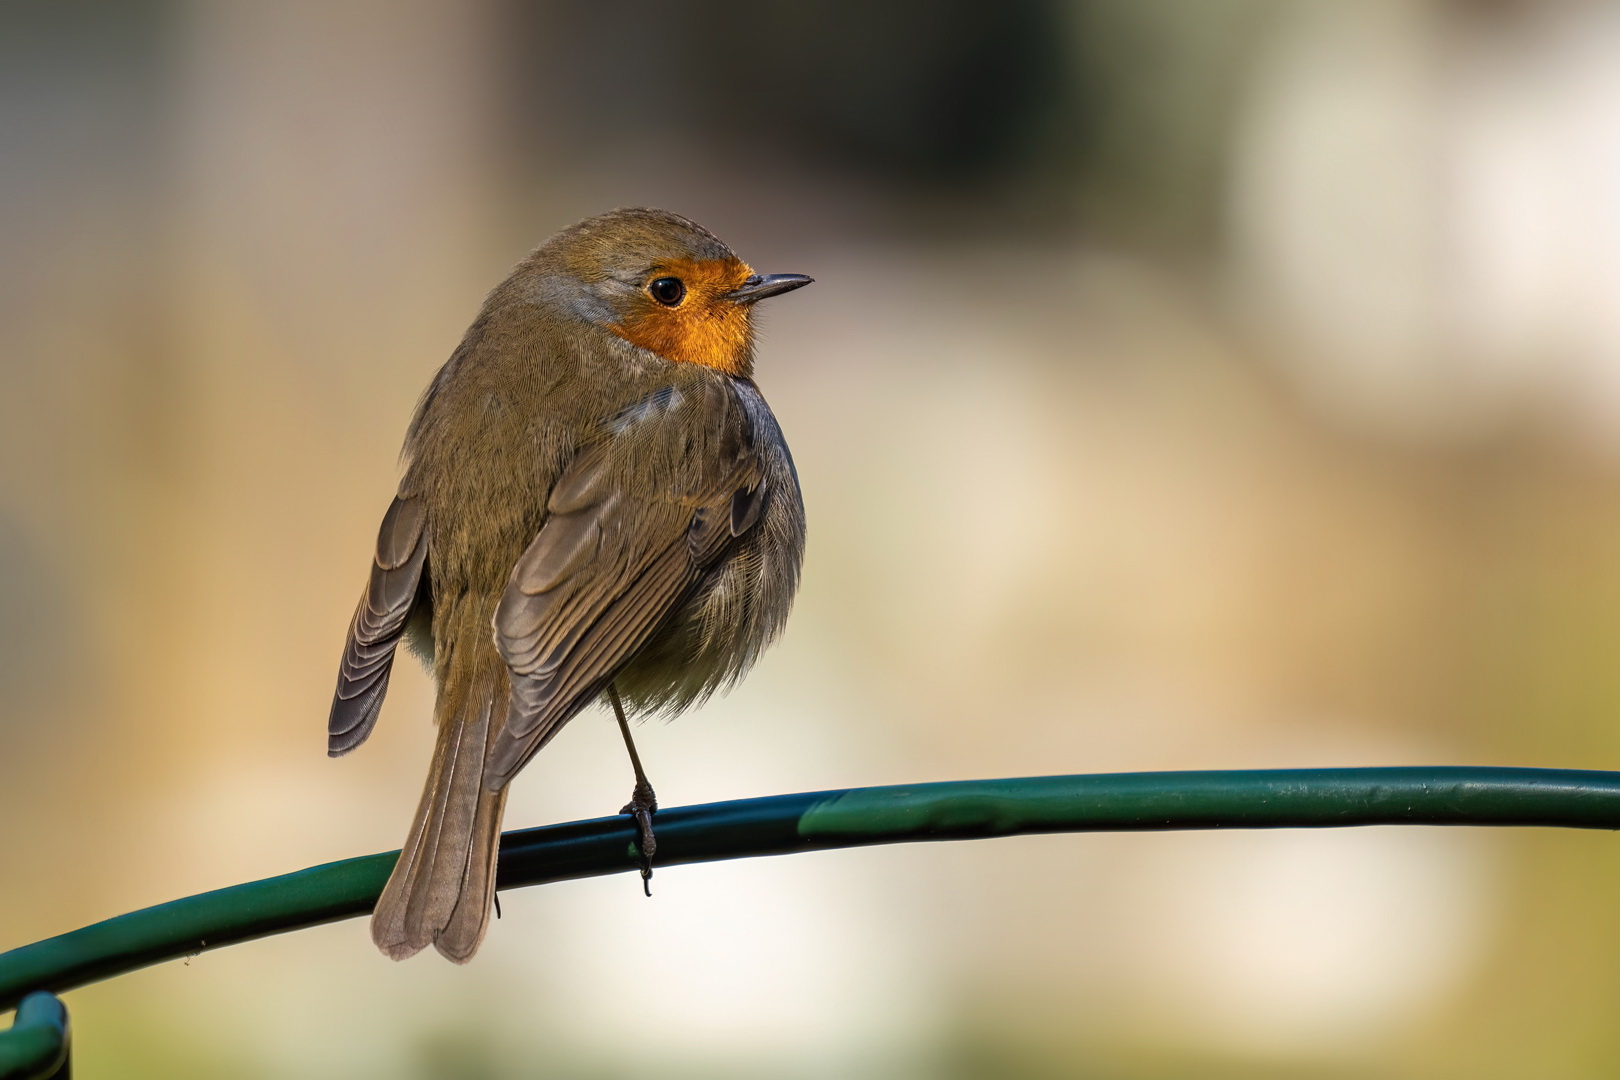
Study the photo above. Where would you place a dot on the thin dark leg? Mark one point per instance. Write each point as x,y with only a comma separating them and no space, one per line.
643,803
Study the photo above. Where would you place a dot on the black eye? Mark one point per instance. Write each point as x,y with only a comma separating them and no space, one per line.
668,291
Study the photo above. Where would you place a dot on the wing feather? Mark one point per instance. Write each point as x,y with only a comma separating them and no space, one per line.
379,621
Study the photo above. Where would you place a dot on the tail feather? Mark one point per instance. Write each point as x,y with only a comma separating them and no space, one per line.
443,886
469,919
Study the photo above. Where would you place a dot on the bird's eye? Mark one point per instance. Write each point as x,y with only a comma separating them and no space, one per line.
668,291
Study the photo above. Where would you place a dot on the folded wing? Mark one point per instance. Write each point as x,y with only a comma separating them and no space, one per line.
602,574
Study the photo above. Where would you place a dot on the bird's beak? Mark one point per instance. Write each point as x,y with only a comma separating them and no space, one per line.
759,286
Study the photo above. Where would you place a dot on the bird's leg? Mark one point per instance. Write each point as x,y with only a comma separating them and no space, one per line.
643,803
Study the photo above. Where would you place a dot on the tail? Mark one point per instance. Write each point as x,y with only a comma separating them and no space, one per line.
443,886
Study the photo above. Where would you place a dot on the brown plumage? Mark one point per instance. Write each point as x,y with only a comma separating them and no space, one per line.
596,497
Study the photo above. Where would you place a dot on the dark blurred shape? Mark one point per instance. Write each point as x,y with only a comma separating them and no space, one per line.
941,93
1028,116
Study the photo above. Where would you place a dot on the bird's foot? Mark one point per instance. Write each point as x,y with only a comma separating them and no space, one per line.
642,806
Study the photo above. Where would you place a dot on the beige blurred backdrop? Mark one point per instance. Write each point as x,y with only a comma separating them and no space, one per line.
1186,384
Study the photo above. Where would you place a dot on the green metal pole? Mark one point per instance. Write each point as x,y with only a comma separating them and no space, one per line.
36,1047
1306,798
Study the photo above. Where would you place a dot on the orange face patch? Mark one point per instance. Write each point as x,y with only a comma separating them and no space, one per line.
704,327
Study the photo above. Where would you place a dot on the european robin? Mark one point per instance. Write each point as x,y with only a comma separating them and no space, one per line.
597,502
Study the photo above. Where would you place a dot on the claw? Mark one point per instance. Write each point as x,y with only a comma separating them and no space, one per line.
642,806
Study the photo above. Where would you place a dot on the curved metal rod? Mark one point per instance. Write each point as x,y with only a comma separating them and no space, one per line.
814,821
36,1046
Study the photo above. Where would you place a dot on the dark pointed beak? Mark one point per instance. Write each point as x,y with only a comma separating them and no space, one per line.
760,286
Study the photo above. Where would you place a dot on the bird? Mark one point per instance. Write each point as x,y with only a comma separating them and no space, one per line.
596,504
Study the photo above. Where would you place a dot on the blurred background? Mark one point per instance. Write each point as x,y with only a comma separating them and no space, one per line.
1186,384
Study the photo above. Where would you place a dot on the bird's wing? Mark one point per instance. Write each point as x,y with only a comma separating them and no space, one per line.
385,607
603,572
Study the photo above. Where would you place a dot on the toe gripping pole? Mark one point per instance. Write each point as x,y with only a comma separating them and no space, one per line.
810,821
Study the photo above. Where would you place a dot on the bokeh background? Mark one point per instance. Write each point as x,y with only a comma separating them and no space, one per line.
1187,383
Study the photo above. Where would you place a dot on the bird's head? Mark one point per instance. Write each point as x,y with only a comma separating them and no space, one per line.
662,282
